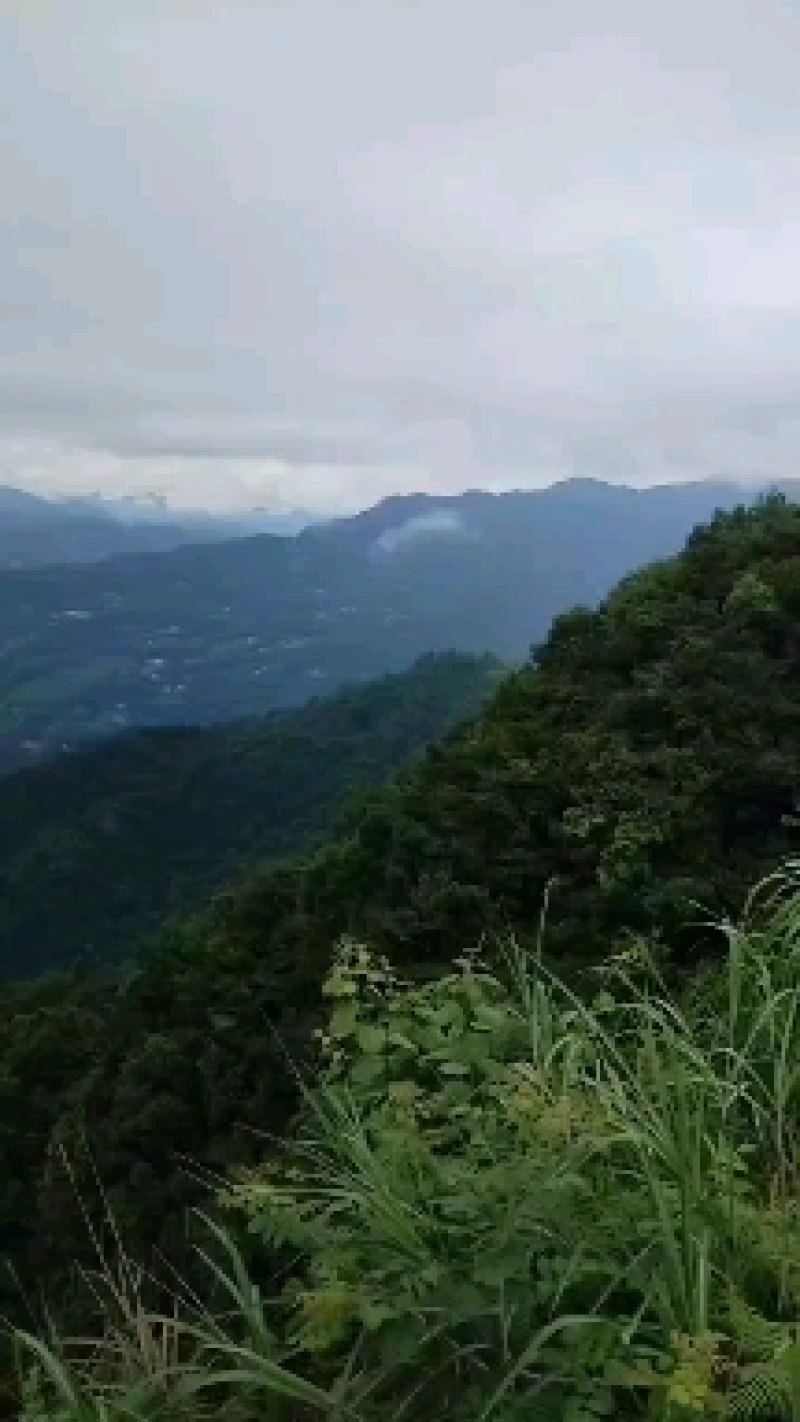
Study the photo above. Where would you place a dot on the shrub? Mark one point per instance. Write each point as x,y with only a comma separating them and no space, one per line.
508,1202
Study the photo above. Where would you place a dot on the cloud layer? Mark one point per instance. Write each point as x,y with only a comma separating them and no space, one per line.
307,253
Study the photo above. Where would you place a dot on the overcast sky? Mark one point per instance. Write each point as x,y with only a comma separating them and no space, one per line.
308,252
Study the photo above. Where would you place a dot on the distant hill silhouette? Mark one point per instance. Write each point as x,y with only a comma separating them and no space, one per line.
36,532
211,632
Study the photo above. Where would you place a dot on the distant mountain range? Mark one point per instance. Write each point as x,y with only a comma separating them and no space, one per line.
36,532
208,633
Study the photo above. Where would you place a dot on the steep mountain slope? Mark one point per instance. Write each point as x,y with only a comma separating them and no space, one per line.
649,760
217,632
98,847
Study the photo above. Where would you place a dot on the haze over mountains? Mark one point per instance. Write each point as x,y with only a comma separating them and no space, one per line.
36,532
208,633
399,885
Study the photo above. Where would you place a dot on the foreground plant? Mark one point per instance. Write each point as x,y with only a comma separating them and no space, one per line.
507,1202
509,1198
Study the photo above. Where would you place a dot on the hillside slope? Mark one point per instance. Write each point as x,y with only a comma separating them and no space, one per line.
213,633
648,758
651,758
98,847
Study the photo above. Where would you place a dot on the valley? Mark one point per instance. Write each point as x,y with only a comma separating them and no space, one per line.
210,633
522,957
98,848
399,712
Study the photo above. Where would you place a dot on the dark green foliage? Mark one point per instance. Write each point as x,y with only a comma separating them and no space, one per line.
53,1032
98,848
648,759
500,1203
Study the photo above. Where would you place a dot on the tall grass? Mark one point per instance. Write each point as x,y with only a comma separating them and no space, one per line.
506,1201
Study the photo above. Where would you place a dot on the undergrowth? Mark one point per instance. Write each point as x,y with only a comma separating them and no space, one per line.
505,1202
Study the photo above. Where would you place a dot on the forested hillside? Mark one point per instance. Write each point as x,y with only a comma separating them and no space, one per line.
98,847
648,759
644,761
644,766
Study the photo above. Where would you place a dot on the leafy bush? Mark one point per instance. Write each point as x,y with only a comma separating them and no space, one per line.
507,1202
510,1199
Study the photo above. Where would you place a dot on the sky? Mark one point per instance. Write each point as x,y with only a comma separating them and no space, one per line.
305,253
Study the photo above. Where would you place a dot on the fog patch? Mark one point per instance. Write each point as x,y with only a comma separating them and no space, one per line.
443,523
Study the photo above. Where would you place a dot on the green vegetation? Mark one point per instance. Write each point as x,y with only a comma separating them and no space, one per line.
646,760
502,1202
99,847
506,1181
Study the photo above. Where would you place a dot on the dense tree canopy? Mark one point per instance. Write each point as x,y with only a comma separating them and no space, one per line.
647,760
99,847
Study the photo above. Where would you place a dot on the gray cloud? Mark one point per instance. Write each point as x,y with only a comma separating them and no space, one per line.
35,405
312,252
282,441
